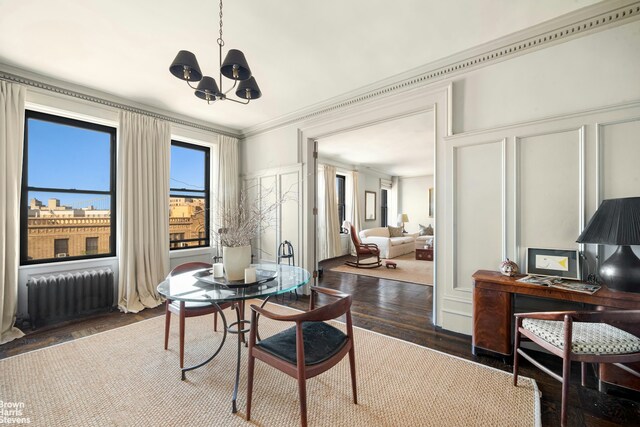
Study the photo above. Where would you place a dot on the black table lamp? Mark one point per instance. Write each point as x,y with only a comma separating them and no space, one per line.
617,222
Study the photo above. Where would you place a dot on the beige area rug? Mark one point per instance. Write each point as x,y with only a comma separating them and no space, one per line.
124,377
408,269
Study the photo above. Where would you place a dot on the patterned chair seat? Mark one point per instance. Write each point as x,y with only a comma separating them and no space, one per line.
587,338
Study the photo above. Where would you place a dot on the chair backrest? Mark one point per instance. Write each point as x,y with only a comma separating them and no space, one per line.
329,311
189,266
354,236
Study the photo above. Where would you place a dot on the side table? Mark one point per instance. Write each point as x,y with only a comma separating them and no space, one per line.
425,254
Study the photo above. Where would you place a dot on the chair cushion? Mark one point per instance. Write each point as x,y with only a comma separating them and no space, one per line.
321,341
588,338
364,250
396,241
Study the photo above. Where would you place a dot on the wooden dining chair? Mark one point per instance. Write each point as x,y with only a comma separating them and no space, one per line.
191,309
581,336
307,349
364,251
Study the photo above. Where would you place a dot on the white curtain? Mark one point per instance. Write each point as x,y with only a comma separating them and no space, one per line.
393,203
144,162
12,98
328,221
355,206
228,178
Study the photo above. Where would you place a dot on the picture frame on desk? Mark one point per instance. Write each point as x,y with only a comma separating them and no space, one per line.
563,263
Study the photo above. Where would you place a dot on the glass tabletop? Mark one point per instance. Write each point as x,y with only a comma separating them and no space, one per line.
189,287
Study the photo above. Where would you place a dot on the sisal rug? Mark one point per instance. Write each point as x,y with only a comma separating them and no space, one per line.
408,269
124,377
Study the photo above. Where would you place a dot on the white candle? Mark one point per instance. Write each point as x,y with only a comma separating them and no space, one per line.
218,270
249,275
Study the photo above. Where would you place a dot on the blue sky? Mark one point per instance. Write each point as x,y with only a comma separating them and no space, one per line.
62,156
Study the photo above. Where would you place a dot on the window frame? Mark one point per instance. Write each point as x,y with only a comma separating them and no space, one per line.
183,192
25,188
342,195
384,207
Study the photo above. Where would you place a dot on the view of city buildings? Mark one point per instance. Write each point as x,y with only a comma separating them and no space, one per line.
59,231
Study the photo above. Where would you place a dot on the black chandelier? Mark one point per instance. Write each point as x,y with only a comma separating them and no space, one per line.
235,67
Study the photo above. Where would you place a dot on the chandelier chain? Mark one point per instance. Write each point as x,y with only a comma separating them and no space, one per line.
220,40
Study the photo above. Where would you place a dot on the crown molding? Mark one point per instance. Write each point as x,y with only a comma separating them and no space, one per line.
582,22
45,84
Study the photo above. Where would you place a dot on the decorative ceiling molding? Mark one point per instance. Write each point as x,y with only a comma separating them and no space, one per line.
120,105
585,21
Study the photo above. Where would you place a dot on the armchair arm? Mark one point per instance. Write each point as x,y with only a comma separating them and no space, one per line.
369,246
327,291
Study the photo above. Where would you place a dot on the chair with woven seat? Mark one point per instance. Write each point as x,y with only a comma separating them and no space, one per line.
581,336
363,251
188,309
307,349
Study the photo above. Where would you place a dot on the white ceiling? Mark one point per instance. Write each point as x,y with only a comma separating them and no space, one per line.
401,147
301,52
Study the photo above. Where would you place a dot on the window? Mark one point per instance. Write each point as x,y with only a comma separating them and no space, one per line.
340,190
189,196
61,248
384,221
68,189
91,246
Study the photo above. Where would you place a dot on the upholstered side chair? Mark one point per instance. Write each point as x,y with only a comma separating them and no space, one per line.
307,349
581,336
188,309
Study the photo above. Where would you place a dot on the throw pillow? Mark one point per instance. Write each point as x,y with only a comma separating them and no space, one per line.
395,231
429,230
422,231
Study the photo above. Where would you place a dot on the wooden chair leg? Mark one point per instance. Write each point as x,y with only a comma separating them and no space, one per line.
251,363
182,310
584,374
516,345
566,374
352,366
167,324
302,389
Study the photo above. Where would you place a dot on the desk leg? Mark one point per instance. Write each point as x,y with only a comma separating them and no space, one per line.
492,318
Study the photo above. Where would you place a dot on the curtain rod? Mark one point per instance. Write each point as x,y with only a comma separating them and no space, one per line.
79,95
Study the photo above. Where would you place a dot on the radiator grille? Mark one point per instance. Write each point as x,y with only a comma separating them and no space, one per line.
62,296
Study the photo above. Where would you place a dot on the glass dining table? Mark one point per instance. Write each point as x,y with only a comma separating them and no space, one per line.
200,286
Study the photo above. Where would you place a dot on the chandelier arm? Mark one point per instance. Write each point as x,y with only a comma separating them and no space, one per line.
192,87
239,102
235,83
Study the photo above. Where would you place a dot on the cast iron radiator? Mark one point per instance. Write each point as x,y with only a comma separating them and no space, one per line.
61,296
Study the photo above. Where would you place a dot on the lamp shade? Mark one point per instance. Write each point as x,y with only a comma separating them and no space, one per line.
248,89
207,86
235,66
403,217
185,67
616,222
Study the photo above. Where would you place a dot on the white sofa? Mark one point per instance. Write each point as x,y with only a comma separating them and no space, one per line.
390,247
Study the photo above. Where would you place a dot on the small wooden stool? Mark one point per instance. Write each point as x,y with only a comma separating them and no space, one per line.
390,264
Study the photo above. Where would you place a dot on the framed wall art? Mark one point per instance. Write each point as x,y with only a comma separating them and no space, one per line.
369,206
554,262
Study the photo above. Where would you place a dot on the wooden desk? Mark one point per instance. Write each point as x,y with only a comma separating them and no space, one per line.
493,314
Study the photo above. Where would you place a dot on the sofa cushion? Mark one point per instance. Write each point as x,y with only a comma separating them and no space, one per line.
395,241
395,231
374,232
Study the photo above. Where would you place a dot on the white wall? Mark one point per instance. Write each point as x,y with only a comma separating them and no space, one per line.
524,123
414,201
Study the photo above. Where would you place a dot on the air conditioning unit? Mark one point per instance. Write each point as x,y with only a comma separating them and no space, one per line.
62,255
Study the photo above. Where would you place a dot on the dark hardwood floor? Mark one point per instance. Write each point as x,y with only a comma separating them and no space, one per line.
402,310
